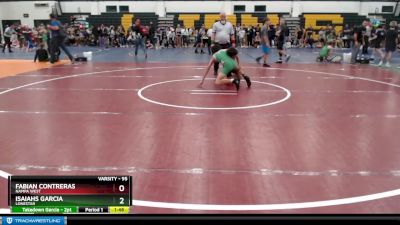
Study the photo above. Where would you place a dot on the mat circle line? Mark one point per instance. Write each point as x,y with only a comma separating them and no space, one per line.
288,94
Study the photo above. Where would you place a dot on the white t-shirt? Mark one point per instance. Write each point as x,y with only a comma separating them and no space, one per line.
321,34
223,32
112,33
209,32
171,34
242,33
8,32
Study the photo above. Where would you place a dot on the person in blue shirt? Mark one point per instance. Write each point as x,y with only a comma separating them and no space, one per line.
57,37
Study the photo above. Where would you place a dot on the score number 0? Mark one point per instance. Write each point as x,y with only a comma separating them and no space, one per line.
121,188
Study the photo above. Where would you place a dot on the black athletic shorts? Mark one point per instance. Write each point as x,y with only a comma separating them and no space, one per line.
376,43
218,47
205,41
279,45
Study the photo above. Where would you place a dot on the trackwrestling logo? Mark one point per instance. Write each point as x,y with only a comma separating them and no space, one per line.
33,220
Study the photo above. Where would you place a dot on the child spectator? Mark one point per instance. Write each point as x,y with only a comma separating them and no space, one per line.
41,54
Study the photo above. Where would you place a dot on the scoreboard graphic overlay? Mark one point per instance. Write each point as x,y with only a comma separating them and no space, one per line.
69,194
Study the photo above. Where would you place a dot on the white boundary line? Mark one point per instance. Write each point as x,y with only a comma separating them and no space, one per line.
5,211
288,94
4,174
332,74
256,207
281,206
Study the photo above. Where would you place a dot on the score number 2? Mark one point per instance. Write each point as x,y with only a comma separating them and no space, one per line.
121,188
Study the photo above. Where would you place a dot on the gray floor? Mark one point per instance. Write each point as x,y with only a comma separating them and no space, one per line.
181,55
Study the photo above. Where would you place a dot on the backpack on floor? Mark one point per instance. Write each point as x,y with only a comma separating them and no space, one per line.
81,59
363,60
335,59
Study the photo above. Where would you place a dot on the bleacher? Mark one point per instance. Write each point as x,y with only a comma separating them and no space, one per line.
114,19
352,19
197,19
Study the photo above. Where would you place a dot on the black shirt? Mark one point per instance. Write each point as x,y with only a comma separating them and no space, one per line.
95,32
100,32
284,30
299,34
359,31
138,30
391,36
271,32
42,55
152,31
105,32
309,33
346,32
380,35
